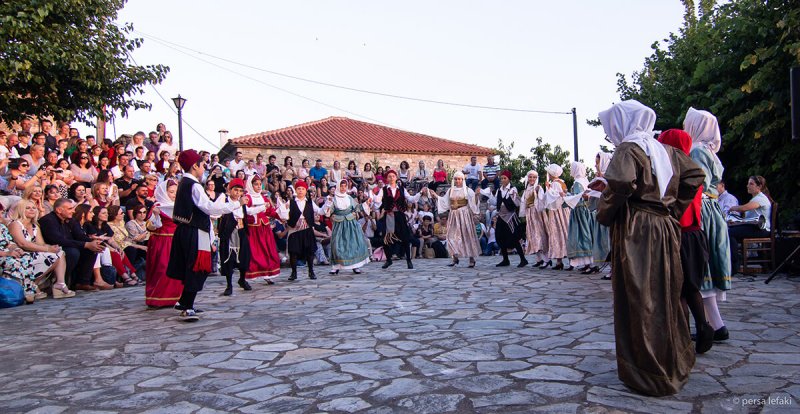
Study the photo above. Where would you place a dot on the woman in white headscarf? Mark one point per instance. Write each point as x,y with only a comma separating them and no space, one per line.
649,187
703,127
462,236
160,290
531,209
601,240
264,260
557,217
579,236
349,250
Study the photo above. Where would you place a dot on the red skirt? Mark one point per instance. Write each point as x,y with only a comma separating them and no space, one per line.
160,290
264,259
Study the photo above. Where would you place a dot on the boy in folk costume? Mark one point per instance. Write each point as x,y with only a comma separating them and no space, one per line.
393,203
299,215
508,228
190,255
234,243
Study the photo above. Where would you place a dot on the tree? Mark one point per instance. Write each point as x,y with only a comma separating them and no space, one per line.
541,156
733,60
67,59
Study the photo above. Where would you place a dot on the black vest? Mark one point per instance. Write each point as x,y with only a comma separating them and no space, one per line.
389,203
294,213
186,212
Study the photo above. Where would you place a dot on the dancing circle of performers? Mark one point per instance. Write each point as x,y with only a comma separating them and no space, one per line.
650,213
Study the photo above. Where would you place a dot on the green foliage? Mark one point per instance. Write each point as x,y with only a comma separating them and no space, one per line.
540,157
734,61
66,59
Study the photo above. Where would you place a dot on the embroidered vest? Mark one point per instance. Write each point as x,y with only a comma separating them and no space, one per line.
186,212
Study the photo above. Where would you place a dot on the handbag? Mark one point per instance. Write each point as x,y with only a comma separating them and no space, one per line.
11,293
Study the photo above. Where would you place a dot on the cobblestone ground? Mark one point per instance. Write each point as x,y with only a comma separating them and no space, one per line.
431,340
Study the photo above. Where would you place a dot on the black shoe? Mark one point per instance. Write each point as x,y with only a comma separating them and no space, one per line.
270,282
410,266
357,271
189,315
522,263
721,334
559,266
228,291
244,285
585,269
570,268
606,277
293,277
453,263
334,272
387,264
704,338
539,263
312,276
471,263
503,263
546,265
181,308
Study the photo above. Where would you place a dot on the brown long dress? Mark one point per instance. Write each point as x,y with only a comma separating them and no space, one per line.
654,350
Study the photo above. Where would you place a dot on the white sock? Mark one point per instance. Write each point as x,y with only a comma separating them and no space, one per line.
712,312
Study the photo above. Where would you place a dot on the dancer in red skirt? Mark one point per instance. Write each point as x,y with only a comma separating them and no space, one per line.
161,291
264,260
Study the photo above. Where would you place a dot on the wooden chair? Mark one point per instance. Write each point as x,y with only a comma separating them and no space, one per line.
764,247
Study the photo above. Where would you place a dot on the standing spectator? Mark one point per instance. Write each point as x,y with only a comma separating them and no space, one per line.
288,172
490,173
23,145
168,146
59,228
51,141
473,172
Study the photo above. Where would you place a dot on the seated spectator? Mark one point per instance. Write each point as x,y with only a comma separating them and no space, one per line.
35,195
368,175
425,232
39,259
101,196
137,228
51,194
439,175
422,174
61,229
440,234
280,232
95,224
403,174
19,179
126,184
323,234
491,247
473,172
78,194
130,255
490,173
379,174
757,214
336,174
36,157
725,199
317,172
140,198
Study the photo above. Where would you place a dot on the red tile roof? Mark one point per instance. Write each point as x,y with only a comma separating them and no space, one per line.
339,133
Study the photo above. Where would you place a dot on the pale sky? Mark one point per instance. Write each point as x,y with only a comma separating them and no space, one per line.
543,55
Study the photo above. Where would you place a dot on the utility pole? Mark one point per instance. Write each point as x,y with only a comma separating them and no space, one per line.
575,131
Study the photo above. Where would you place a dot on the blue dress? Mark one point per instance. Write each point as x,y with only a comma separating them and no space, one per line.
579,240
348,244
601,237
718,270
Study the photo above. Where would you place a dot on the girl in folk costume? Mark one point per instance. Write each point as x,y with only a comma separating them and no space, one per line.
649,187
462,203
299,215
190,255
531,209
694,250
264,260
702,126
507,230
234,241
601,240
348,247
392,201
579,239
556,217
160,290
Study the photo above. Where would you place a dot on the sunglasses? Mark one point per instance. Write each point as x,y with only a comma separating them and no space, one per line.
24,165
84,158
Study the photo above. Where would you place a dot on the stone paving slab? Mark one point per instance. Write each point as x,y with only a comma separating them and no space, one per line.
432,340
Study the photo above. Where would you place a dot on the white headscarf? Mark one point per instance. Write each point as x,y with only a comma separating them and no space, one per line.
605,159
528,174
703,127
163,202
554,170
578,172
630,121
255,196
341,199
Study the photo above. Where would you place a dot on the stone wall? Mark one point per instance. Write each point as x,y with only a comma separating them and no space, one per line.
452,162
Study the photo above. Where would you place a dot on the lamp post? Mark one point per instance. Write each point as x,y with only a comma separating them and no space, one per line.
179,102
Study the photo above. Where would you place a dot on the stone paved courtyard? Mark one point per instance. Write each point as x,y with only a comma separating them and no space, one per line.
431,340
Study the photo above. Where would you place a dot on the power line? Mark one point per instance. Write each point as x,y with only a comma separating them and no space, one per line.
273,86
332,85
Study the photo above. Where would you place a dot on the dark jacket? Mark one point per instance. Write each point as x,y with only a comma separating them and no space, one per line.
64,234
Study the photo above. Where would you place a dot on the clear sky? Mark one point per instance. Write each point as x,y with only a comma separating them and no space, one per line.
544,55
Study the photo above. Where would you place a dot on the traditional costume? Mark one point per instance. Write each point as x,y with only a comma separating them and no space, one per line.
299,216
508,231
557,216
349,248
649,186
393,205
579,235
694,250
601,239
531,209
460,201
703,127
160,290
264,260
190,255
234,243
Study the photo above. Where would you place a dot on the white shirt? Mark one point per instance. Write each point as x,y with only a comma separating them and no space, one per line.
212,208
171,149
236,166
471,171
764,210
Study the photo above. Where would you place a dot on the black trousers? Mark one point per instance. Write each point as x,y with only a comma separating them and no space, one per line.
79,266
739,233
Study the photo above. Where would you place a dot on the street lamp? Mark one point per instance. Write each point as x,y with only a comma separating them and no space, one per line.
179,102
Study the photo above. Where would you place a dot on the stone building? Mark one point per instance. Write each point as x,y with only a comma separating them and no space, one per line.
344,139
